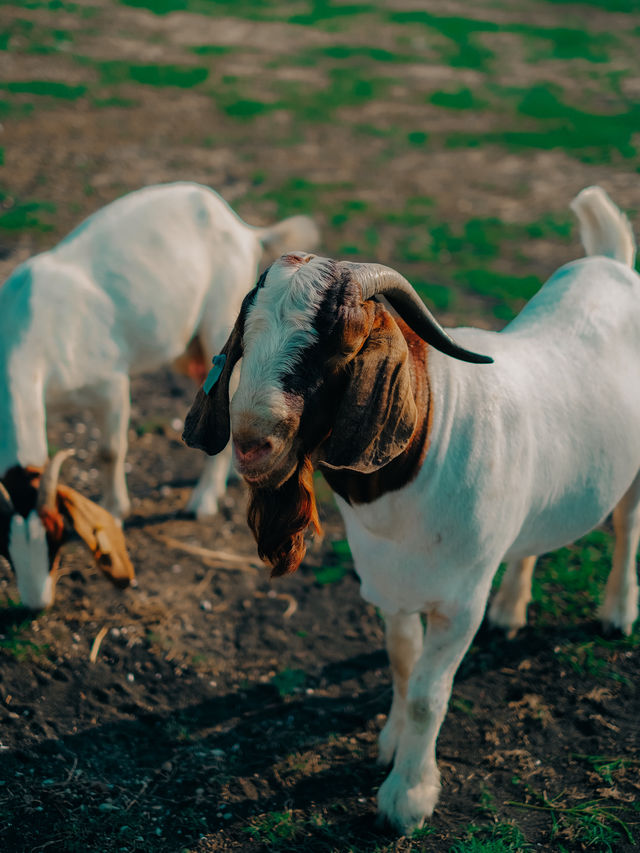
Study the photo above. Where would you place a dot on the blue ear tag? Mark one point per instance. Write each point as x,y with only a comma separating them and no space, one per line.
214,374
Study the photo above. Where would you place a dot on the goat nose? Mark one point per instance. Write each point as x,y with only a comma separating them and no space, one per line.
251,449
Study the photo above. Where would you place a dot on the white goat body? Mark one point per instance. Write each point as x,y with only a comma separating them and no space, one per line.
522,456
127,291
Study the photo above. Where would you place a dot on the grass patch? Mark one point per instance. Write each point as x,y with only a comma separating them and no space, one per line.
565,43
491,838
569,582
593,824
463,49
20,647
211,49
591,137
340,563
508,291
289,681
46,88
606,765
592,657
18,215
181,76
463,99
275,828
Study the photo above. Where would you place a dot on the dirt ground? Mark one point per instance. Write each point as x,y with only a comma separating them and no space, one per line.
208,708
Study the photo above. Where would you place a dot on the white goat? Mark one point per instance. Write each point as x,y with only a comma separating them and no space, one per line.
443,469
150,276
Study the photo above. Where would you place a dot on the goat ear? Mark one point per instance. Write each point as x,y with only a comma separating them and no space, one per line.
208,424
101,532
377,414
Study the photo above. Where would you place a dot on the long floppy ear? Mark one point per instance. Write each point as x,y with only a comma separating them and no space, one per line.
377,414
100,532
208,424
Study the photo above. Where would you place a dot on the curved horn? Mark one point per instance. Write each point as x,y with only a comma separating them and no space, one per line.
49,480
6,504
376,278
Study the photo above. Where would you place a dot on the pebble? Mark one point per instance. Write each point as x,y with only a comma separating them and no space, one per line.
205,604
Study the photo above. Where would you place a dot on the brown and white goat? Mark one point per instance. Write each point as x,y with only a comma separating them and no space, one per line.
442,469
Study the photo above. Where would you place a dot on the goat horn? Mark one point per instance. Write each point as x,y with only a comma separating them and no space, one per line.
376,278
6,504
49,480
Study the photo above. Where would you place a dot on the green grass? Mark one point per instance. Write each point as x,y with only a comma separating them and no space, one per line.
491,838
181,76
462,99
19,215
606,765
45,88
341,563
14,642
275,828
550,122
593,657
570,581
593,824
289,681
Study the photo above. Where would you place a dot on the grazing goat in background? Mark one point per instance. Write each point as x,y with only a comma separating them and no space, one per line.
442,468
155,276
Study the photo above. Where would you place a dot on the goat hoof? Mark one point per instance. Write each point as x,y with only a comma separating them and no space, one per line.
405,808
618,619
203,507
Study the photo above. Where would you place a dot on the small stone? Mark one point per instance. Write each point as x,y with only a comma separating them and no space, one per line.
205,604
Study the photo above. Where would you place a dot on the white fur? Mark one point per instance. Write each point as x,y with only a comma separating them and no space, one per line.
524,455
124,293
28,548
279,327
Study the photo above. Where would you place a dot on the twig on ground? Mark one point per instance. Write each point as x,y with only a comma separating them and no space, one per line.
221,559
95,648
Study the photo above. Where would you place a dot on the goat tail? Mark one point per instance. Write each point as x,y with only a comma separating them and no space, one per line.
604,229
288,235
280,517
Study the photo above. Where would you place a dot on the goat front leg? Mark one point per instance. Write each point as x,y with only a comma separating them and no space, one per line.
112,416
404,634
410,792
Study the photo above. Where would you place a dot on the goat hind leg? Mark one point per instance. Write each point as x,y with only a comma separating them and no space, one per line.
211,486
404,634
509,606
619,609
112,416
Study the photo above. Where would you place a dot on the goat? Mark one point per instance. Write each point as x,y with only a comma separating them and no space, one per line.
38,515
156,274
442,468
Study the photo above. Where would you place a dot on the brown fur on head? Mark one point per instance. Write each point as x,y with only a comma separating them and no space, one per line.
279,519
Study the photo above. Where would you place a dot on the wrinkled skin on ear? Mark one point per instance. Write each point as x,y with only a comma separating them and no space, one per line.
377,413
208,424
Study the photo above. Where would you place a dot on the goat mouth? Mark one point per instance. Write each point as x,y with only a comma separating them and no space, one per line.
271,477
